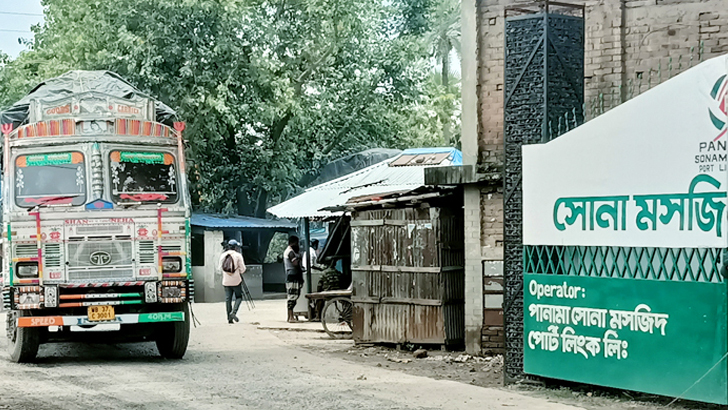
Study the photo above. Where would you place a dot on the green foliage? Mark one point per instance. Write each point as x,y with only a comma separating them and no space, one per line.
444,37
439,114
331,279
270,89
415,16
277,246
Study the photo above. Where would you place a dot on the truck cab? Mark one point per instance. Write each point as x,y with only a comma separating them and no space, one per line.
96,233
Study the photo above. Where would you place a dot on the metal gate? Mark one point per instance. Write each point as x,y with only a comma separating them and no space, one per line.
544,84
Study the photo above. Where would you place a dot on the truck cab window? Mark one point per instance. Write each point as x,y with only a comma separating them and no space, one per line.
143,177
53,178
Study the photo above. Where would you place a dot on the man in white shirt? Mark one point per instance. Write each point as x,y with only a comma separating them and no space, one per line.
232,278
313,251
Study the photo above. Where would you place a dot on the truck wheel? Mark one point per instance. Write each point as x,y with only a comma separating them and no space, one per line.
23,342
172,337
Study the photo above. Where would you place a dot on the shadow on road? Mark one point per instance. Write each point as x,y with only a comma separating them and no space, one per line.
98,353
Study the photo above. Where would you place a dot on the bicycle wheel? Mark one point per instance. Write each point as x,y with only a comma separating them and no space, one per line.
337,318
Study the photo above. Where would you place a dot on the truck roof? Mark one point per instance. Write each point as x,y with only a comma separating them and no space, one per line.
78,82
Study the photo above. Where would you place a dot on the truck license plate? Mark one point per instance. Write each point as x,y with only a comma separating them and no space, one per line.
101,313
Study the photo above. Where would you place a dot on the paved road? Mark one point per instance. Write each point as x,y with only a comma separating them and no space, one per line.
228,367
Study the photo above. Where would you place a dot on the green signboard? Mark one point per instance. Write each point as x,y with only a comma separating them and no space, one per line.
655,336
142,157
161,317
49,159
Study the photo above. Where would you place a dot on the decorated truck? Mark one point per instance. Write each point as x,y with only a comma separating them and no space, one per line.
95,221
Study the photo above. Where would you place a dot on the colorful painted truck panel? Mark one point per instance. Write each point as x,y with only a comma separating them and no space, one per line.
96,216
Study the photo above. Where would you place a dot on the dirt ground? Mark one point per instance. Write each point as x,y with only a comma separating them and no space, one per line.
483,372
256,364
232,367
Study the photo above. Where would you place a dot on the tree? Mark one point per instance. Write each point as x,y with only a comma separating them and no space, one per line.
415,16
270,89
445,38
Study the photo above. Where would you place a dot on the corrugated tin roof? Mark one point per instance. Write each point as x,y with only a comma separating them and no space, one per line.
378,178
238,222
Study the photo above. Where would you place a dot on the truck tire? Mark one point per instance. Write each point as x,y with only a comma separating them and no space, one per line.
23,342
172,337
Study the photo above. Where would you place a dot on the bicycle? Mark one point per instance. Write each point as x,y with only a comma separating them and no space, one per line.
337,313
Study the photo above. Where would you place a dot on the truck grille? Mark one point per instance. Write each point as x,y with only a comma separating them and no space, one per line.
171,248
52,255
146,252
26,251
119,254
100,274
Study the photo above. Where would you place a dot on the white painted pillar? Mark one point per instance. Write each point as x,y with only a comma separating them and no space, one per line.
471,200
214,291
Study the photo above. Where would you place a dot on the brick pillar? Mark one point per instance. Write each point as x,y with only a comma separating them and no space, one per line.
493,338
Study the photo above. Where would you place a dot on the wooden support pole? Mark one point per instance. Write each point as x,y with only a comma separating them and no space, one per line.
307,239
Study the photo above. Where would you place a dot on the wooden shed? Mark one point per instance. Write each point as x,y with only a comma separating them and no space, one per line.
408,270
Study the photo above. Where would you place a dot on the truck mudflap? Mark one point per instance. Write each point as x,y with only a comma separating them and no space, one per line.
125,318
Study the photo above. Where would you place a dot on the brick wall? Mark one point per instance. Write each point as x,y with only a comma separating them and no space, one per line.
491,239
630,46
628,50
493,340
491,223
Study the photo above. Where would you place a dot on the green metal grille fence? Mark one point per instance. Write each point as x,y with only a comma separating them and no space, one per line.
668,264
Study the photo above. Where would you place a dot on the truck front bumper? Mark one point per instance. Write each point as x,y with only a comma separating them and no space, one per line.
124,318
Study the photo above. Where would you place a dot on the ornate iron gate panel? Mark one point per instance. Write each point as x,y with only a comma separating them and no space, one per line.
544,85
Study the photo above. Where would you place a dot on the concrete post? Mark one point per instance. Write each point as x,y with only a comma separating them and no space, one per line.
307,239
471,200
469,72
214,291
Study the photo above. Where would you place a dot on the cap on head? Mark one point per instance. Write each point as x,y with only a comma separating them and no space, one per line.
233,242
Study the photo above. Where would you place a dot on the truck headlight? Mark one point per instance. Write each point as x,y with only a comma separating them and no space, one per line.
171,264
27,269
171,292
29,298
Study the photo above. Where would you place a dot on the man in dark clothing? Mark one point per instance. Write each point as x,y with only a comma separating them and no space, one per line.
294,274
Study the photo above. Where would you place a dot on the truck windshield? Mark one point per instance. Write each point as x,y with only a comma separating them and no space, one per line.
143,177
53,178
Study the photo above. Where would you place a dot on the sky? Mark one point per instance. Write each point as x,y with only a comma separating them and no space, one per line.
16,17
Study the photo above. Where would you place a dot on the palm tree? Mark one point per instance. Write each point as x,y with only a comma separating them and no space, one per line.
445,37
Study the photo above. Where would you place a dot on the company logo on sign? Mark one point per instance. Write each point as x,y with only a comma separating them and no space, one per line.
718,93
100,258
713,152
